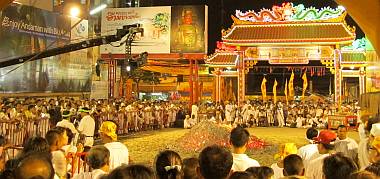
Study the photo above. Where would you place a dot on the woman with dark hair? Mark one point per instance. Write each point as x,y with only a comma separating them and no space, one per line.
168,165
131,171
36,144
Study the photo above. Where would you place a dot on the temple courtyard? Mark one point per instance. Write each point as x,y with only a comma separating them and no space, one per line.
144,146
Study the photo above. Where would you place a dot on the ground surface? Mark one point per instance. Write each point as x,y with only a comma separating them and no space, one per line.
144,146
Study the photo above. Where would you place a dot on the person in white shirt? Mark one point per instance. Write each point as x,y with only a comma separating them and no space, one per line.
309,151
325,141
373,130
187,122
239,138
87,126
66,123
284,150
194,111
56,139
98,159
227,113
119,154
345,144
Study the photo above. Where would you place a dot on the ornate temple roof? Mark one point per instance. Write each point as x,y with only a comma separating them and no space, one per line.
291,25
220,58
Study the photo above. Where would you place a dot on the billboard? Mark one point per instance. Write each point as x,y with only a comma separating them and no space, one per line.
189,29
25,30
167,29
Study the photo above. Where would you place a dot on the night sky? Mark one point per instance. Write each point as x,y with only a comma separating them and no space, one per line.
221,10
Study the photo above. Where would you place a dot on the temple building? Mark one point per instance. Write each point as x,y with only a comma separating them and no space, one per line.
287,40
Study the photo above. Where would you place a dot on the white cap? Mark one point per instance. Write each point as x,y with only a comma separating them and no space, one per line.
375,131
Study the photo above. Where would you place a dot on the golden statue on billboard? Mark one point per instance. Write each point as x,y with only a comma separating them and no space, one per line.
187,38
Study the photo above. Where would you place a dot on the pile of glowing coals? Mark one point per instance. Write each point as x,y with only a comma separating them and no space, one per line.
208,133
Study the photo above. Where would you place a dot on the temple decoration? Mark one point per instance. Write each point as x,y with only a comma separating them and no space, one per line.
358,44
289,37
288,12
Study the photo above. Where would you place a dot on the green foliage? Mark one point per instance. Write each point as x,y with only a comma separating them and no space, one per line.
161,20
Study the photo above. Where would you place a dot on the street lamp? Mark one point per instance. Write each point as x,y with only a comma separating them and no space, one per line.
128,68
74,11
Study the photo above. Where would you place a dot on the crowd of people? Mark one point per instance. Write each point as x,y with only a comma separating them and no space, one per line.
67,150
329,155
258,113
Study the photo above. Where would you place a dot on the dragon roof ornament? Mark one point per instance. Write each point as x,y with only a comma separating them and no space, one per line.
289,12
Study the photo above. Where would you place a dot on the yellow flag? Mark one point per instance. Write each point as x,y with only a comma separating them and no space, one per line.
275,91
291,88
286,91
264,89
304,87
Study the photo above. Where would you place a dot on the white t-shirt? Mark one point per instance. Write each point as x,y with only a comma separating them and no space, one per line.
241,162
363,154
94,174
315,169
348,147
306,152
118,154
67,124
278,172
87,127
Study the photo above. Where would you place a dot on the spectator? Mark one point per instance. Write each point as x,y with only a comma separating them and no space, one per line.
309,151
284,150
70,147
56,140
239,138
262,172
98,159
374,168
241,175
119,152
35,144
131,172
338,166
215,162
345,144
87,127
65,122
363,175
374,150
325,141
168,165
190,166
293,166
35,165
363,158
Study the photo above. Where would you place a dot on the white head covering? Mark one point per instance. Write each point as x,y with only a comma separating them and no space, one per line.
375,130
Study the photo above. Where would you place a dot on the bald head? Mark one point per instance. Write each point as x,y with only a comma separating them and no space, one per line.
35,165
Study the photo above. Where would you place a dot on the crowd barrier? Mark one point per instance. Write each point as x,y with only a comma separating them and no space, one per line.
16,131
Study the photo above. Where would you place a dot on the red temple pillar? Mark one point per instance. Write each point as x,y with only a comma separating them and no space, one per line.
196,91
191,84
111,77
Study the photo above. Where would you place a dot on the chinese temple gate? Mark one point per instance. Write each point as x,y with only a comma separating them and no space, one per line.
289,37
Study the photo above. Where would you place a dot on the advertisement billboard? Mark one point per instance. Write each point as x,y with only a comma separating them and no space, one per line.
167,29
25,30
154,20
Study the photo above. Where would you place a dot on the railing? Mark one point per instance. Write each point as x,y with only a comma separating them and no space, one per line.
16,131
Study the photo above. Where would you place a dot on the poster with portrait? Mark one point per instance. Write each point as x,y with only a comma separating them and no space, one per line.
189,29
